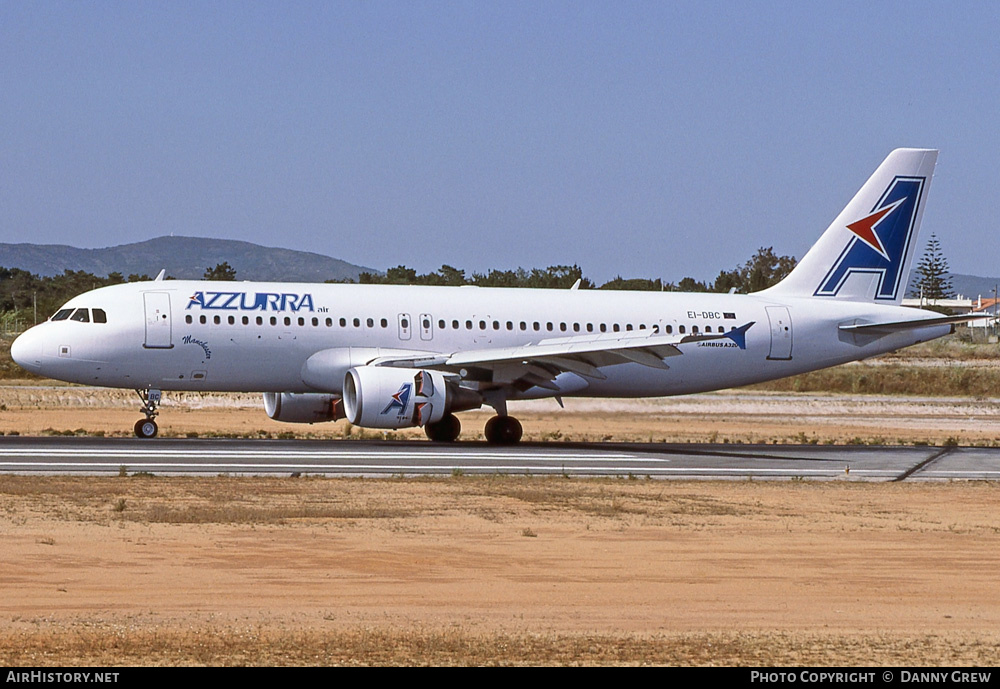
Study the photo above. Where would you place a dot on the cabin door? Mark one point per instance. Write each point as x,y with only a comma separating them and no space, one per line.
157,320
781,332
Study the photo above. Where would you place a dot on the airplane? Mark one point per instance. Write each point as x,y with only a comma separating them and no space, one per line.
396,356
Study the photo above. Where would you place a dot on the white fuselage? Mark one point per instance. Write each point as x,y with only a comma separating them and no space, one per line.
244,336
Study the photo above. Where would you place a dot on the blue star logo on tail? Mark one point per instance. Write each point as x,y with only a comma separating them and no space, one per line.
879,242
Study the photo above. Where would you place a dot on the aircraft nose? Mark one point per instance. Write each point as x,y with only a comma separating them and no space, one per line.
26,352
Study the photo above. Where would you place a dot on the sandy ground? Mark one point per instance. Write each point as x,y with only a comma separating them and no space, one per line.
464,570
225,570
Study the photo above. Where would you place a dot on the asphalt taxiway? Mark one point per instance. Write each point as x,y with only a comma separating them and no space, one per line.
177,456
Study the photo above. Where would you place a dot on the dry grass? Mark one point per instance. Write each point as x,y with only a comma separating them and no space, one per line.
881,378
123,645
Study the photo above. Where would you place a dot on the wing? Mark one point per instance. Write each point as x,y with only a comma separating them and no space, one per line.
539,363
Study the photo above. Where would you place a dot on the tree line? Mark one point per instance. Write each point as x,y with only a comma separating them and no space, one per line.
26,297
764,269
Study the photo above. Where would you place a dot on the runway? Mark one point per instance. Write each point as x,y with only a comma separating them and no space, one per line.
103,456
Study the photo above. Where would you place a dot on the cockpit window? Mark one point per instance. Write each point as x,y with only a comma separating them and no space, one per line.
82,315
100,316
62,314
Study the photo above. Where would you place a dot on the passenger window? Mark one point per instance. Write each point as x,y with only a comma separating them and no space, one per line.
232,321
357,323
343,322
510,326
288,321
604,328
628,326
576,327
218,320
536,325
496,325
81,315
315,321
441,324
302,321
669,329
384,323
548,326
62,314
616,327
681,330
329,322
100,316
274,320
468,325
405,323
590,327
482,325
260,320
426,324
694,329
708,328
188,319
454,325
523,325
246,320
562,326
370,322
202,320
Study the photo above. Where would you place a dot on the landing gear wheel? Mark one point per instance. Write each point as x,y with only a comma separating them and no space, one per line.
503,430
444,431
145,428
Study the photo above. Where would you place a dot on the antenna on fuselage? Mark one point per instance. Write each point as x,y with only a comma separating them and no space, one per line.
159,276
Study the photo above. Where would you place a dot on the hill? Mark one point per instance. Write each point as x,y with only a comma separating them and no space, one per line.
182,257
969,286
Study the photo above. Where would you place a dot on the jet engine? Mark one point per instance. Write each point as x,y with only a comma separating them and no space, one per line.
309,407
385,397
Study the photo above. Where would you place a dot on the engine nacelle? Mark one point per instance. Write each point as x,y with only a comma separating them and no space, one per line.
293,407
385,397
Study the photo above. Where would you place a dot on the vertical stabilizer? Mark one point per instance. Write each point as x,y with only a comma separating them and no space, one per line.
865,254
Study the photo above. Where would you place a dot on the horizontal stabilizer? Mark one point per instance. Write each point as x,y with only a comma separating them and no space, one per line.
897,326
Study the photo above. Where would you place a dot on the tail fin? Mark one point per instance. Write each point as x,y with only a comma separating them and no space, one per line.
865,254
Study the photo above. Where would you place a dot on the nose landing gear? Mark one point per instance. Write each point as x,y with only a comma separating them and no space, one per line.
147,428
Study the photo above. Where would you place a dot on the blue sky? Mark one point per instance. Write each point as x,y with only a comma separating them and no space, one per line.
642,139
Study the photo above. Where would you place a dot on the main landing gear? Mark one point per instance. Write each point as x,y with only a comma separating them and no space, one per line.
503,430
444,431
146,428
500,430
